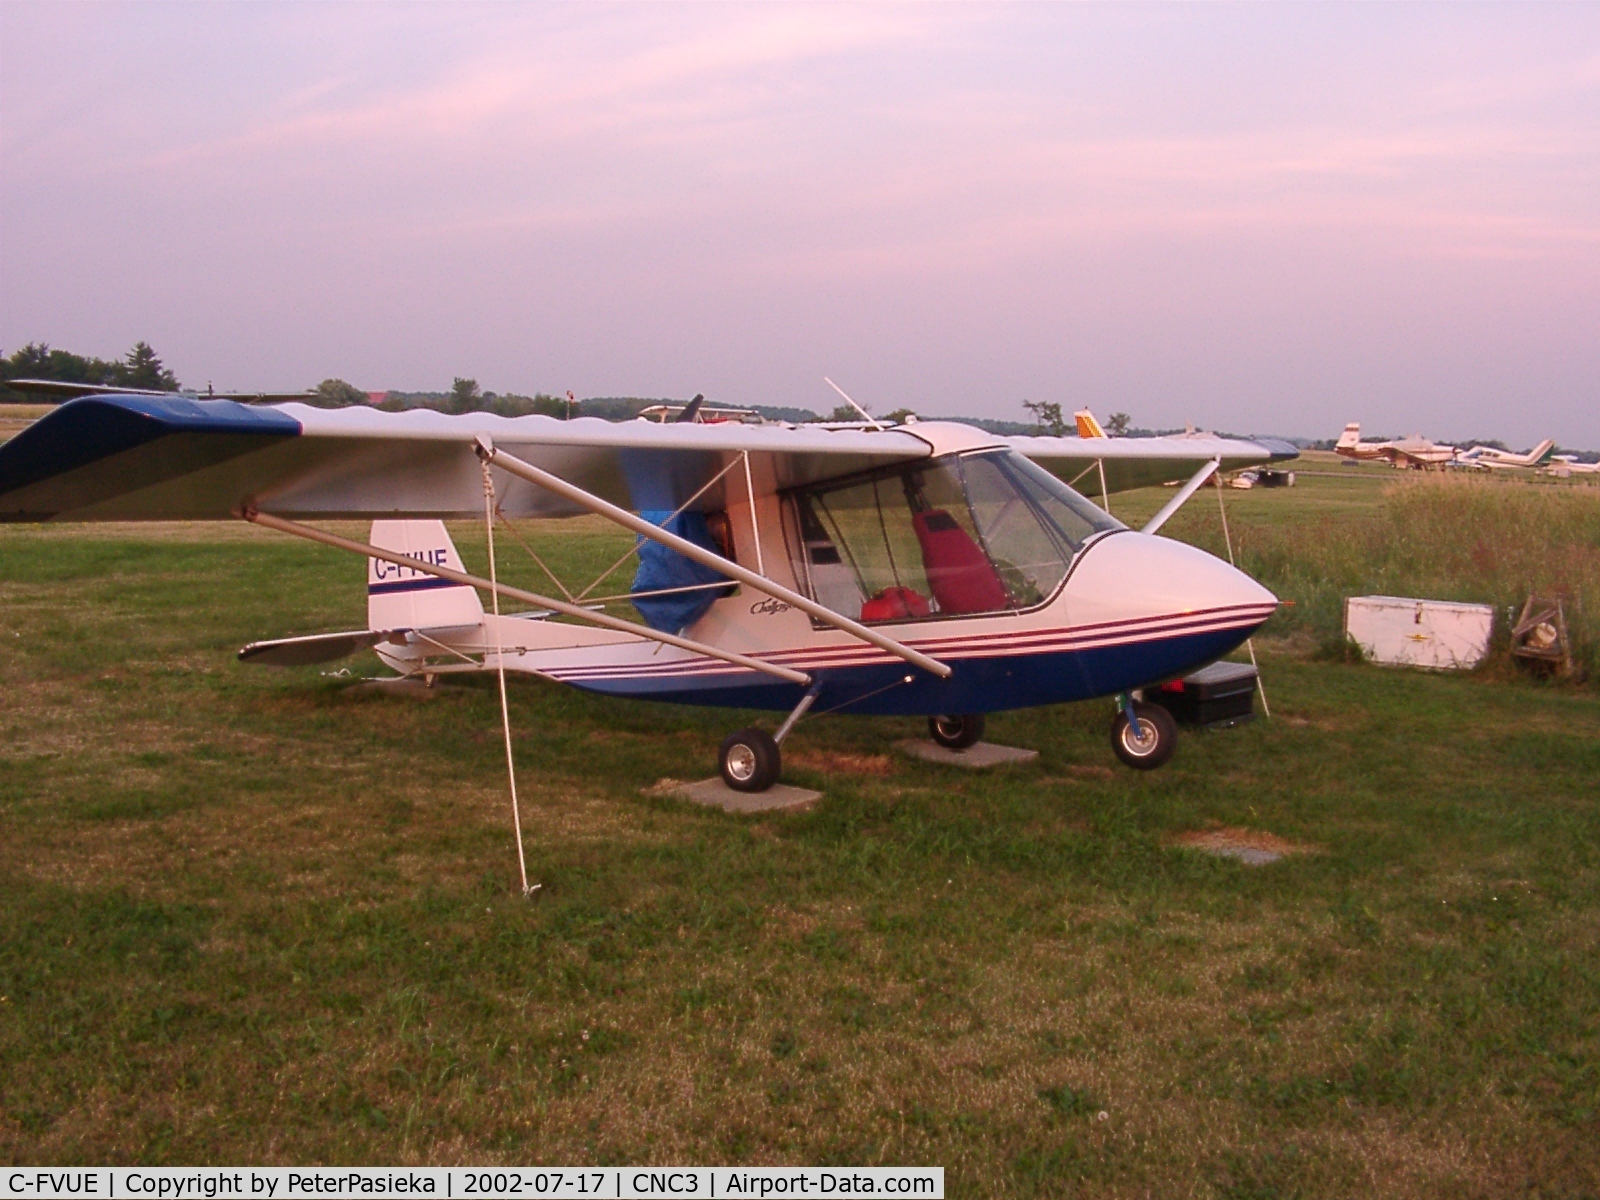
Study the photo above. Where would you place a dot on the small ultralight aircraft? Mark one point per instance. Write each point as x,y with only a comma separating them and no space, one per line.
927,569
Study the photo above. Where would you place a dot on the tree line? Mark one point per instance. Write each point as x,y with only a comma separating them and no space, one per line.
140,368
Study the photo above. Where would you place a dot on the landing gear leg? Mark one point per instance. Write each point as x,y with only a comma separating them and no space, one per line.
749,760
1144,736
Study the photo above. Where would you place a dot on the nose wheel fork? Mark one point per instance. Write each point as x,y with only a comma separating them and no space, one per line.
1143,736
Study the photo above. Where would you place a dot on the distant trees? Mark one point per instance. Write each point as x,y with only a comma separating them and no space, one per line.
1047,416
465,396
1050,419
336,393
540,405
141,367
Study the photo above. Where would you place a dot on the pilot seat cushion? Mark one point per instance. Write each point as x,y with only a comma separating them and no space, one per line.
894,603
960,575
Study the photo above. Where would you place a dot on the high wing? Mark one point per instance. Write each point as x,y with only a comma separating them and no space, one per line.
133,457
130,456
1142,462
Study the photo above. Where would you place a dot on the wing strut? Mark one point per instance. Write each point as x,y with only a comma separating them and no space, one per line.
561,606
700,554
1178,501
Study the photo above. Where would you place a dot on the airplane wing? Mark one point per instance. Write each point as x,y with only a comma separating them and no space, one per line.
138,457
55,389
131,456
1142,462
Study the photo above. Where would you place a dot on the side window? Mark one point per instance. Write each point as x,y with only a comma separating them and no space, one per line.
867,526
1069,516
984,533
1029,560
834,580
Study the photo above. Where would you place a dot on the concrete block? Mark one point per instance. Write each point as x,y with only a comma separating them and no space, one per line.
976,757
715,794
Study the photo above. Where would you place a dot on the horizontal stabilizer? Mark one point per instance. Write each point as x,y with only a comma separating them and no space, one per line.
305,651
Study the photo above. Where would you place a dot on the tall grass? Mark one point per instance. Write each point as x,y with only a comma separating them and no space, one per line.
1442,537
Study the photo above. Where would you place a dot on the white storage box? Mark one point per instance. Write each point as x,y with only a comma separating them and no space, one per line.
1438,634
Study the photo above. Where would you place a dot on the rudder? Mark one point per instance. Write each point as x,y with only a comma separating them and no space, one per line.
400,597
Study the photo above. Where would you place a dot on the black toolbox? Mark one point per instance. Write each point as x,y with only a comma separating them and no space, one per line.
1213,697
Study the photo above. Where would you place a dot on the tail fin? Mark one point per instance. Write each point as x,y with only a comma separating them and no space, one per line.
405,598
1542,453
1088,427
1350,437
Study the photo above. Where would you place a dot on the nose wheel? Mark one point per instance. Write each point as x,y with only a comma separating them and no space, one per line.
1144,735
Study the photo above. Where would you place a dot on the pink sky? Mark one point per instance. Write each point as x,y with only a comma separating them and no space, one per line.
1262,218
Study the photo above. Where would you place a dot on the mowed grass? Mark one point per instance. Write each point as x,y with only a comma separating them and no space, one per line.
253,916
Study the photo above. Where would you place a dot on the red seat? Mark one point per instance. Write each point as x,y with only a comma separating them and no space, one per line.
960,575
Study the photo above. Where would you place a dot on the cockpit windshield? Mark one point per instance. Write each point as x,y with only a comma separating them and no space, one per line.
977,533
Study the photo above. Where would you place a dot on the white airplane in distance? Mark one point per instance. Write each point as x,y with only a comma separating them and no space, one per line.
928,569
1415,452
1500,460
1568,464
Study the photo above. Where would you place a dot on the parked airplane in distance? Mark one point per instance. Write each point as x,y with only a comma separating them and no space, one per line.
1408,453
1499,460
1568,464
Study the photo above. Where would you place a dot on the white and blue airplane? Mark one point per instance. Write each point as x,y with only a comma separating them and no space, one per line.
927,569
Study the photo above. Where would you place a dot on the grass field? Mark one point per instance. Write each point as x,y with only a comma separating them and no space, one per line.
252,916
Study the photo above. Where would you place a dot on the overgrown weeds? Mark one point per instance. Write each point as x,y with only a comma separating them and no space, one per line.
1438,536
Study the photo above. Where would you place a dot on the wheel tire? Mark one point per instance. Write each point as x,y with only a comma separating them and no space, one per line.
1149,746
749,760
956,733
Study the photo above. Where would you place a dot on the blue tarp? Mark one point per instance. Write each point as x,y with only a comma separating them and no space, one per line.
660,568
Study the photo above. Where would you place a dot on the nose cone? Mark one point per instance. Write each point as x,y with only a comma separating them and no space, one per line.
1156,607
1144,575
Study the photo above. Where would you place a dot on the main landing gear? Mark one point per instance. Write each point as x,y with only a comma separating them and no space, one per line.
956,733
749,760
1143,735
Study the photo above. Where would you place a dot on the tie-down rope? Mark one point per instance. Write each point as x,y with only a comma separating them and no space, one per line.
1249,643
500,665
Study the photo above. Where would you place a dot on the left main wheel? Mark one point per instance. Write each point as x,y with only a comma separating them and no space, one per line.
749,760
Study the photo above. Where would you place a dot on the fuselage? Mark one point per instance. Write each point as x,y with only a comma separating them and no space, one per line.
1030,594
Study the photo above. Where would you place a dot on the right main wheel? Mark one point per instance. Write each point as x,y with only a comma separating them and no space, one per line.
749,760
1149,744
956,733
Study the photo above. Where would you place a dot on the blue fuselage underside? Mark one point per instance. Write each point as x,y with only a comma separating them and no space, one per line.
976,685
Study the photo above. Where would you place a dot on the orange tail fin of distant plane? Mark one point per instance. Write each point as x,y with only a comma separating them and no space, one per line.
1088,427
